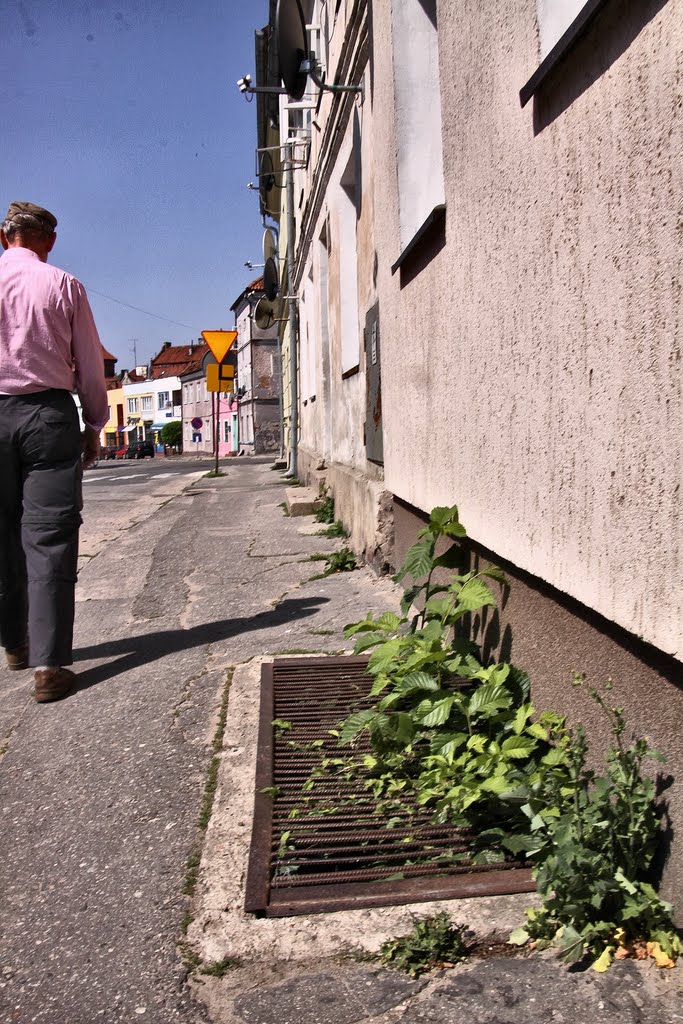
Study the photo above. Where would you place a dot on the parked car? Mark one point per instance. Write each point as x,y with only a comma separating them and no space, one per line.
120,453
109,452
139,449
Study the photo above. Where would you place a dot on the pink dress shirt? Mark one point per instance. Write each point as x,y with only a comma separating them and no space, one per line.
48,337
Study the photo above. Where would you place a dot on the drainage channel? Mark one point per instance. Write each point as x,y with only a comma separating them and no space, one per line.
323,846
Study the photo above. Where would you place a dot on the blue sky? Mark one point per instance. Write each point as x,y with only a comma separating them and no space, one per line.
124,119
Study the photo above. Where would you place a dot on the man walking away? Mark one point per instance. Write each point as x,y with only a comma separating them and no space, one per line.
49,348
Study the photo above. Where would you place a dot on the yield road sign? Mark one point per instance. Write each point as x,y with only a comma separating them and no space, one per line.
220,342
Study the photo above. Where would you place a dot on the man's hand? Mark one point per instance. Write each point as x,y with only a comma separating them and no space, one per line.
90,447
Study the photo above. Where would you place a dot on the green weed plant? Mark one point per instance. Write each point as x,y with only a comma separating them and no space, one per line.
433,942
464,738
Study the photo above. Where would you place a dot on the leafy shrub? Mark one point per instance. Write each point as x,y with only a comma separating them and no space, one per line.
593,855
172,434
433,942
465,739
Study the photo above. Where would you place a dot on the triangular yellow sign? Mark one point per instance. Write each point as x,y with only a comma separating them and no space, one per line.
220,342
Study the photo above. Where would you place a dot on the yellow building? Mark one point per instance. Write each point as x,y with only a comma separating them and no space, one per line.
112,431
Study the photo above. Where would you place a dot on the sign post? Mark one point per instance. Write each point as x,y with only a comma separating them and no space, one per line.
220,343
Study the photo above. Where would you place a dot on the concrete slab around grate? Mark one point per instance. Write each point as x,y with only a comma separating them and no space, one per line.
222,929
292,969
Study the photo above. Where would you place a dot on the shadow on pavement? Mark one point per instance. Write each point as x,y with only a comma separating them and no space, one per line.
135,651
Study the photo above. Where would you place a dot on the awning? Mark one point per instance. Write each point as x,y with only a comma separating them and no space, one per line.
158,426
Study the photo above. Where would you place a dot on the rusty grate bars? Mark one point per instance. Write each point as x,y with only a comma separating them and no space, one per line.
336,852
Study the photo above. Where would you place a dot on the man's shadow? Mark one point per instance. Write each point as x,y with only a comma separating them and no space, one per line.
134,651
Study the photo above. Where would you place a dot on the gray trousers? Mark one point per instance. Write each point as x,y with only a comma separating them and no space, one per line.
40,505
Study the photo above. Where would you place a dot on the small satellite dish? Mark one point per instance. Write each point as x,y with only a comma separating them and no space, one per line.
292,46
269,245
266,313
271,278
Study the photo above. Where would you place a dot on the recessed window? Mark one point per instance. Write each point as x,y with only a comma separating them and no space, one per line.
417,114
560,24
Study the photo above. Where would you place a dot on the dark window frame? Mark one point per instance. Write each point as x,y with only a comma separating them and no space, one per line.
560,49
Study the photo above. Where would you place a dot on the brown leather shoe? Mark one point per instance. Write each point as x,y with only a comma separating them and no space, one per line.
17,658
53,683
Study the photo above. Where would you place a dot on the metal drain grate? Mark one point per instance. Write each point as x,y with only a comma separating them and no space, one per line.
336,852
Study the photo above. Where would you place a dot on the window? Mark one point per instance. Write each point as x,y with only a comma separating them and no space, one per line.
560,23
554,18
348,262
226,431
164,400
132,405
196,391
417,114
147,403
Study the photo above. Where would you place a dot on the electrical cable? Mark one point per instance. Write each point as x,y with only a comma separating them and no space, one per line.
137,309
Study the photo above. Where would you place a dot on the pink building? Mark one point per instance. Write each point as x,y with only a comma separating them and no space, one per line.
201,409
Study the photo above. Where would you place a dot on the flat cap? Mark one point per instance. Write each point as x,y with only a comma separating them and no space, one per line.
30,209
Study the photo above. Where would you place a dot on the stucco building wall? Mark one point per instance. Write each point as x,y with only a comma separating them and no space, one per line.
543,366
545,335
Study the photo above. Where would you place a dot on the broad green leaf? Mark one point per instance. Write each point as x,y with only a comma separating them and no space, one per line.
519,937
489,697
519,844
570,944
439,606
518,746
409,596
442,516
475,594
418,561
625,882
359,627
439,712
416,681
381,658
355,724
495,784
554,757
494,573
368,640
389,622
381,681
536,730
522,716
455,530
447,742
476,743
389,700
403,727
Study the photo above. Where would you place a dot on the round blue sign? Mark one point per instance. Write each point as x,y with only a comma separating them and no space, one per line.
197,423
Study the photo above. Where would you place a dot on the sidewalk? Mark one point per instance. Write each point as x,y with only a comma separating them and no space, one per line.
182,592
306,970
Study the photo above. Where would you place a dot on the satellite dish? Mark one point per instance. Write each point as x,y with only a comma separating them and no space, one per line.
269,245
271,278
267,313
292,46
267,178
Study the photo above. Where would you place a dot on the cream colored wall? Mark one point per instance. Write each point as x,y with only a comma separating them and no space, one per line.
541,348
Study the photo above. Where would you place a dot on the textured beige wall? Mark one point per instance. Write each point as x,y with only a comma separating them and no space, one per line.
541,348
